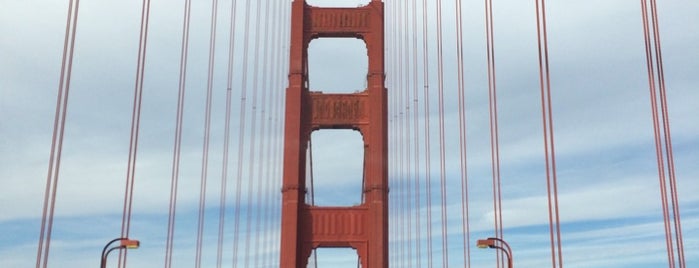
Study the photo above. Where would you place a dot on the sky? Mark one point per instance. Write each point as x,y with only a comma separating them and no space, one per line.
609,199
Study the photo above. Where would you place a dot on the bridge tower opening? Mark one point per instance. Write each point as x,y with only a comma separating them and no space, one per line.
362,227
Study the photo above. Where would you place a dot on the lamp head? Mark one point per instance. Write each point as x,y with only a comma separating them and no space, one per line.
130,244
485,243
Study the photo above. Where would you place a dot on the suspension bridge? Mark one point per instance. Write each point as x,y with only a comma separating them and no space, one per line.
356,133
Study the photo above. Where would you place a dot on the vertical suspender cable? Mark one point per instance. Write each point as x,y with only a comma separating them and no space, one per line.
241,134
402,132
398,84
659,95
656,131
284,69
407,134
390,40
262,133
178,136
668,137
275,89
402,141
226,135
494,136
207,135
393,154
253,122
442,149
396,141
428,150
269,180
224,181
392,121
391,129
59,122
135,124
547,119
268,177
416,136
465,229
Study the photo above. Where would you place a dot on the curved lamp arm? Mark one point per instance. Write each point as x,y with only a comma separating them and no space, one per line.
124,243
490,242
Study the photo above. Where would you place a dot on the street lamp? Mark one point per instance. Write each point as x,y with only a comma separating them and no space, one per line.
123,243
494,242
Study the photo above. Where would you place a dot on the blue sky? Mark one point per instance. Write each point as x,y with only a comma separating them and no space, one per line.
609,197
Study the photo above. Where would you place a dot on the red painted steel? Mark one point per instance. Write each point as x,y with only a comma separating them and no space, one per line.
363,227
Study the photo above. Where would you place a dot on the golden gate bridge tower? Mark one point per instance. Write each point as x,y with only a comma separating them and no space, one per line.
363,227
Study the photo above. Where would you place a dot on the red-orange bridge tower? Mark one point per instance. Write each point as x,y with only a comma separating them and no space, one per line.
363,227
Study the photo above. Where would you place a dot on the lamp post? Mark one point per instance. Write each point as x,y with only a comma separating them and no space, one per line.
494,242
123,243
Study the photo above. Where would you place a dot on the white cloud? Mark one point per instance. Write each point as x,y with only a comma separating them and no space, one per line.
608,192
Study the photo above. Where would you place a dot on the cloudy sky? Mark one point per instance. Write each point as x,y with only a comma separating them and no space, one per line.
608,187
